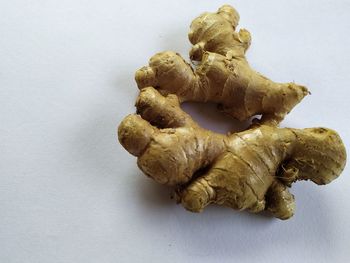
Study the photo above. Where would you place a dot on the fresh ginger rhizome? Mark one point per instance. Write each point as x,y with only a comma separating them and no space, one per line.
249,170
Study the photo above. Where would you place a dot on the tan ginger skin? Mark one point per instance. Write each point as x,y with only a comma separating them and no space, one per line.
247,170
223,76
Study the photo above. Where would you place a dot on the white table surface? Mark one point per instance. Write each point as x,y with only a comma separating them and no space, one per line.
70,193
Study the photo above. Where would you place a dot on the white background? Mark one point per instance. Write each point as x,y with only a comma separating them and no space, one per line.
70,193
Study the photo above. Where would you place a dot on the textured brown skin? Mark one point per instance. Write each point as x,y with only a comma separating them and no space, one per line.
239,91
168,154
223,76
247,170
216,32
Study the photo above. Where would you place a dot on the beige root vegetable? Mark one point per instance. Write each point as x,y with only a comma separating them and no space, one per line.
223,75
247,170
216,32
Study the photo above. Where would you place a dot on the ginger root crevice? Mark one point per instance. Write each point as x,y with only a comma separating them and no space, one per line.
246,170
223,75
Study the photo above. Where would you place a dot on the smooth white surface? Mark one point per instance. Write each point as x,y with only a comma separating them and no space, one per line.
70,193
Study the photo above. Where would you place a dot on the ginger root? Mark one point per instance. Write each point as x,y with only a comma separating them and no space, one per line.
215,32
252,169
247,170
223,76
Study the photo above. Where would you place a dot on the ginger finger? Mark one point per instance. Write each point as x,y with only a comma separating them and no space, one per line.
232,84
280,202
198,195
161,111
215,32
